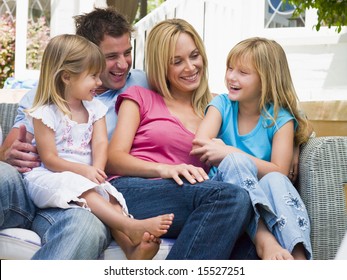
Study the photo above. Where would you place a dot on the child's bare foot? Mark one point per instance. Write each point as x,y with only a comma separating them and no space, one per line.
156,226
269,249
267,246
146,249
276,253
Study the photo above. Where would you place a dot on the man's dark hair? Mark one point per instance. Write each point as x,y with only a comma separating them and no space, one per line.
100,22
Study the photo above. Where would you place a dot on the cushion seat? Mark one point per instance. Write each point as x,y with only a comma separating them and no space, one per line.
21,244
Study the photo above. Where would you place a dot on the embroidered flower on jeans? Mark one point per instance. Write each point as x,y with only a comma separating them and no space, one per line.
281,222
294,201
248,184
302,222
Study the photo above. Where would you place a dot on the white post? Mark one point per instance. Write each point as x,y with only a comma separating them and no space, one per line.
63,12
21,38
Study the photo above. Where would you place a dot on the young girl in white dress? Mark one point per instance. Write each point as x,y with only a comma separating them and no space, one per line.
71,139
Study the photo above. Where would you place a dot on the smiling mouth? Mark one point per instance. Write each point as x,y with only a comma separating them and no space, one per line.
191,78
117,74
234,87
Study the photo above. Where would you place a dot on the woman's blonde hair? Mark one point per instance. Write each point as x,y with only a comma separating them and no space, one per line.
70,54
160,51
270,62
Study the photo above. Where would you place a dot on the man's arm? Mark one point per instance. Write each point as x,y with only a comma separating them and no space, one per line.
18,151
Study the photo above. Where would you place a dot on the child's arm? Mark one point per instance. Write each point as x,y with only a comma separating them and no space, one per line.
282,149
210,125
213,151
205,146
46,147
281,154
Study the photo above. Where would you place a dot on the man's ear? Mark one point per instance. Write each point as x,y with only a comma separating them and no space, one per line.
65,76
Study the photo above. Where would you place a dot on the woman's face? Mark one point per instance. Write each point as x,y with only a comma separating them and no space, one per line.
186,67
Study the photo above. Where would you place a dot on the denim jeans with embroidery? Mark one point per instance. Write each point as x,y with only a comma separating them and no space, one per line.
274,199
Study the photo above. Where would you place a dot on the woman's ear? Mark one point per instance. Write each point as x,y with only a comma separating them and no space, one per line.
66,77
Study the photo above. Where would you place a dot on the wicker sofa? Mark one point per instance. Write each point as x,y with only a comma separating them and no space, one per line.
322,184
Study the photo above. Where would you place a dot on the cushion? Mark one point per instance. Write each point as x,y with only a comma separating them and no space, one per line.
18,243
21,244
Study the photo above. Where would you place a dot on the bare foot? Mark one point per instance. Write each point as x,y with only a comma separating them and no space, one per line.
276,253
156,226
267,246
146,249
269,249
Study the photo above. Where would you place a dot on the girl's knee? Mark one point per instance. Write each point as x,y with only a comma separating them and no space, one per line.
274,178
238,161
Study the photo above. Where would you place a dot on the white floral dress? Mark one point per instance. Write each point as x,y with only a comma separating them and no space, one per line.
73,142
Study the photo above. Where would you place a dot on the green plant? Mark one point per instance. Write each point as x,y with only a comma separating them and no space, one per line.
7,48
38,37
329,12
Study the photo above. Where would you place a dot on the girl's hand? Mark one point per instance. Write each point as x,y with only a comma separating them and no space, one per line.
94,174
192,173
211,152
294,169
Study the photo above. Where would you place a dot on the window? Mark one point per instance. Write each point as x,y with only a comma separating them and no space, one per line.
279,14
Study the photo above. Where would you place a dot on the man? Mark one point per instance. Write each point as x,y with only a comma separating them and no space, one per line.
83,236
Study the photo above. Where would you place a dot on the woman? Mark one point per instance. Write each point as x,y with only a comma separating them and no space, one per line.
153,139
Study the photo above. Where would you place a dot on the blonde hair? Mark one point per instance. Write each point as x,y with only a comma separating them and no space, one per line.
270,62
160,50
67,53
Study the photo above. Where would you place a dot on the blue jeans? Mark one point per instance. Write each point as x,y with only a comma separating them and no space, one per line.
209,216
274,199
65,234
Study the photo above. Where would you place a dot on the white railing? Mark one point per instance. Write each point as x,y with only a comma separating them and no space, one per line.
61,22
318,60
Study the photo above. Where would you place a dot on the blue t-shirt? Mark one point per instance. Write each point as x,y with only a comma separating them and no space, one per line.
257,142
135,77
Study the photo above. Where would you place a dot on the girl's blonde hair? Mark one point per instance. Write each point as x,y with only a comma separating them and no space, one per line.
70,54
270,62
160,51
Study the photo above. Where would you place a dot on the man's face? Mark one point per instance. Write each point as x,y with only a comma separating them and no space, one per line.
118,57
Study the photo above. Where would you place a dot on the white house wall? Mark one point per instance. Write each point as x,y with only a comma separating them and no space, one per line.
318,60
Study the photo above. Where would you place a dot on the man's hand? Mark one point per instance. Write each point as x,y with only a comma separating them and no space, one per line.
21,154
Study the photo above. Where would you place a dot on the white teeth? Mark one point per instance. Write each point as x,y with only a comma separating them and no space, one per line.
191,78
233,87
117,74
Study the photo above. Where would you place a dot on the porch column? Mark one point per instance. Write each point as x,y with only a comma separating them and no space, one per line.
63,11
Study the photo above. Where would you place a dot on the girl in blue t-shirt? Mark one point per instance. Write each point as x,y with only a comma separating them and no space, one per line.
248,138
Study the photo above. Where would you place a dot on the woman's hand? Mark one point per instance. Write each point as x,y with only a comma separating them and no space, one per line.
190,172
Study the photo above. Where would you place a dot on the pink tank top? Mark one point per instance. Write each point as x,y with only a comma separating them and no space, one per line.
160,137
